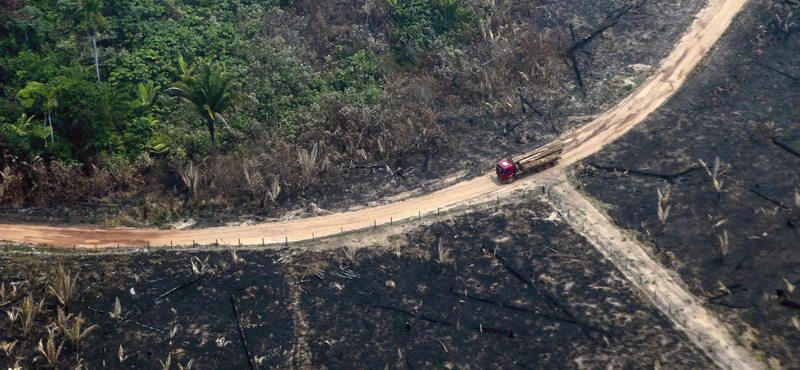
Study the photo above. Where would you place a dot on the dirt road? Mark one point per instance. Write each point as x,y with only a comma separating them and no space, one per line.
704,32
656,282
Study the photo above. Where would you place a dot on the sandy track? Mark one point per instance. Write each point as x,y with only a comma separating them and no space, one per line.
704,32
658,284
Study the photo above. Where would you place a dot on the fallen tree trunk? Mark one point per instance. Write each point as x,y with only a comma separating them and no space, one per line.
577,70
530,311
554,305
785,147
668,177
565,257
422,317
514,127
771,200
778,71
733,289
504,332
536,110
241,334
177,288
610,23
730,305
790,303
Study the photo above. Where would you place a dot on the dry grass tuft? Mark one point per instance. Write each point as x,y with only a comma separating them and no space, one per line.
199,266
350,252
27,313
116,312
8,347
188,365
236,259
63,287
715,173
444,253
50,352
166,365
274,190
190,175
663,207
789,286
723,248
121,354
72,330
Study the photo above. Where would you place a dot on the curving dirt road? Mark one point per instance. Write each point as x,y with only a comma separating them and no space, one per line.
673,71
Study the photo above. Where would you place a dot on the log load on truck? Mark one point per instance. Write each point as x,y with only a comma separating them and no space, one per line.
536,160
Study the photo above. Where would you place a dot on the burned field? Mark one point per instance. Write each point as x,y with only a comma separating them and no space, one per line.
166,311
499,290
512,290
732,233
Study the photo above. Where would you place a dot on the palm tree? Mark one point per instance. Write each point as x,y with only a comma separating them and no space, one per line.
210,94
89,11
75,71
448,10
147,93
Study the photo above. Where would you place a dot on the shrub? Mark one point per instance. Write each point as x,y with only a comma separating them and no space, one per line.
418,22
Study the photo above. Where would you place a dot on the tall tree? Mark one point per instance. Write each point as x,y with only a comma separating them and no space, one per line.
44,96
210,93
90,12
28,19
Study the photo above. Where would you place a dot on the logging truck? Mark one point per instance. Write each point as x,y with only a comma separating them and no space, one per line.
536,160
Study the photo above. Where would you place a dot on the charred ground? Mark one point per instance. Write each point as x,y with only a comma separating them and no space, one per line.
740,106
490,289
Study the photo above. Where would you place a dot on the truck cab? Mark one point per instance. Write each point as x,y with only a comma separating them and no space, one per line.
505,170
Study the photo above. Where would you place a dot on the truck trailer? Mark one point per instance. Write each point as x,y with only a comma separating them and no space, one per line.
536,160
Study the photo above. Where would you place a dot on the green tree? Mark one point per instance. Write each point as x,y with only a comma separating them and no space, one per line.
43,96
210,93
29,19
447,12
90,13
23,137
75,71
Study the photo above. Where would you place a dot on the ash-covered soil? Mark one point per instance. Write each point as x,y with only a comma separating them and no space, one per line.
488,290
511,289
741,105
194,322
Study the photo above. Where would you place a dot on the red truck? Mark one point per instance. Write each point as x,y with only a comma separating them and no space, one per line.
537,160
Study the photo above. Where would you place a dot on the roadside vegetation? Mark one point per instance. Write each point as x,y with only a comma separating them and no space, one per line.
91,95
151,111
